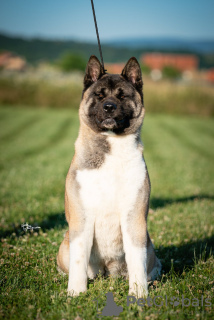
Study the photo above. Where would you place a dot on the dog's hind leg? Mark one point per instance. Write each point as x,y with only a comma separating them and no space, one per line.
63,255
95,268
153,263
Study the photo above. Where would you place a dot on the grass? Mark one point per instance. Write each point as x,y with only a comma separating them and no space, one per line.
36,149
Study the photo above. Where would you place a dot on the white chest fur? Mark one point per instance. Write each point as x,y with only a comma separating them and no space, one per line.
109,193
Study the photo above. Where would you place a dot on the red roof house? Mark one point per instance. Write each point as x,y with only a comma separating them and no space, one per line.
182,62
9,61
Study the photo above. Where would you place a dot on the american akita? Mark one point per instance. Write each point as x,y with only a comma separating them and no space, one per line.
107,187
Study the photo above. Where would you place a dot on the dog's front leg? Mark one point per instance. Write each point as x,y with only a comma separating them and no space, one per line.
134,241
79,253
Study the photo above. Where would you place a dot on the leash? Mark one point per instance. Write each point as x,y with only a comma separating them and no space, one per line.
98,38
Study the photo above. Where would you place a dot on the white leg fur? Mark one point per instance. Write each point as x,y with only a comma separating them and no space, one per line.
79,249
136,264
137,272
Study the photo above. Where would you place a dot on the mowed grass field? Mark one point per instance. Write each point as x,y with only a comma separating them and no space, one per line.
36,147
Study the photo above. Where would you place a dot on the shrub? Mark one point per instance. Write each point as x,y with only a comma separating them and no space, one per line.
145,69
70,62
171,72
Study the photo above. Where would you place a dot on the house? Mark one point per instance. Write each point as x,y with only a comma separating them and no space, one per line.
210,75
10,61
181,62
114,67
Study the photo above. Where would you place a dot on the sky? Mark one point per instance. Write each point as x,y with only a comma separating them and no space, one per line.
117,19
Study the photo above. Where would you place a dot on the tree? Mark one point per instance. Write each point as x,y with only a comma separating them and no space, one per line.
71,61
145,69
171,72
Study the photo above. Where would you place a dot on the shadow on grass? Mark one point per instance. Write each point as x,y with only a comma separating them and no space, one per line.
57,220
52,221
162,202
184,255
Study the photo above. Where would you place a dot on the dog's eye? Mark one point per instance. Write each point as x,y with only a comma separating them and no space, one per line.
99,95
121,96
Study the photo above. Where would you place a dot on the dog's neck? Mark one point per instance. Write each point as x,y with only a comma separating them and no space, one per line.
91,147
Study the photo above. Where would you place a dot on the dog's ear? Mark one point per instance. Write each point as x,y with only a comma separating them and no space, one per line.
94,71
132,73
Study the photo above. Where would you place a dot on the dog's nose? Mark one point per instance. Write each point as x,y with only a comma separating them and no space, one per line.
109,106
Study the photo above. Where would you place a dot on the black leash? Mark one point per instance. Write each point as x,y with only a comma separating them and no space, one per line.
98,38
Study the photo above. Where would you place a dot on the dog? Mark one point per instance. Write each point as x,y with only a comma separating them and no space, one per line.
107,187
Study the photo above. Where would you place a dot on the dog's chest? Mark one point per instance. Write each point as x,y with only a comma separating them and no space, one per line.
109,193
113,187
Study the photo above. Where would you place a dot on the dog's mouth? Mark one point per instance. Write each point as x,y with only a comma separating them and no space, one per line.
109,123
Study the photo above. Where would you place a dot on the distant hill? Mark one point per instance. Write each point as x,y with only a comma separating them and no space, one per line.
35,49
198,46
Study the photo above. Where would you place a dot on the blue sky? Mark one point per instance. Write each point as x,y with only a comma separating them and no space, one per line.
116,18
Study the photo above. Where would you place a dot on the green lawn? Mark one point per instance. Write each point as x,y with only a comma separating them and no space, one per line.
36,147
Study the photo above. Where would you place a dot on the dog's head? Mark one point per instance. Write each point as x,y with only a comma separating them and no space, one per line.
112,102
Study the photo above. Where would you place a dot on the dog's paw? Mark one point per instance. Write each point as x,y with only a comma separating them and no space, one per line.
75,293
75,290
138,290
72,293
